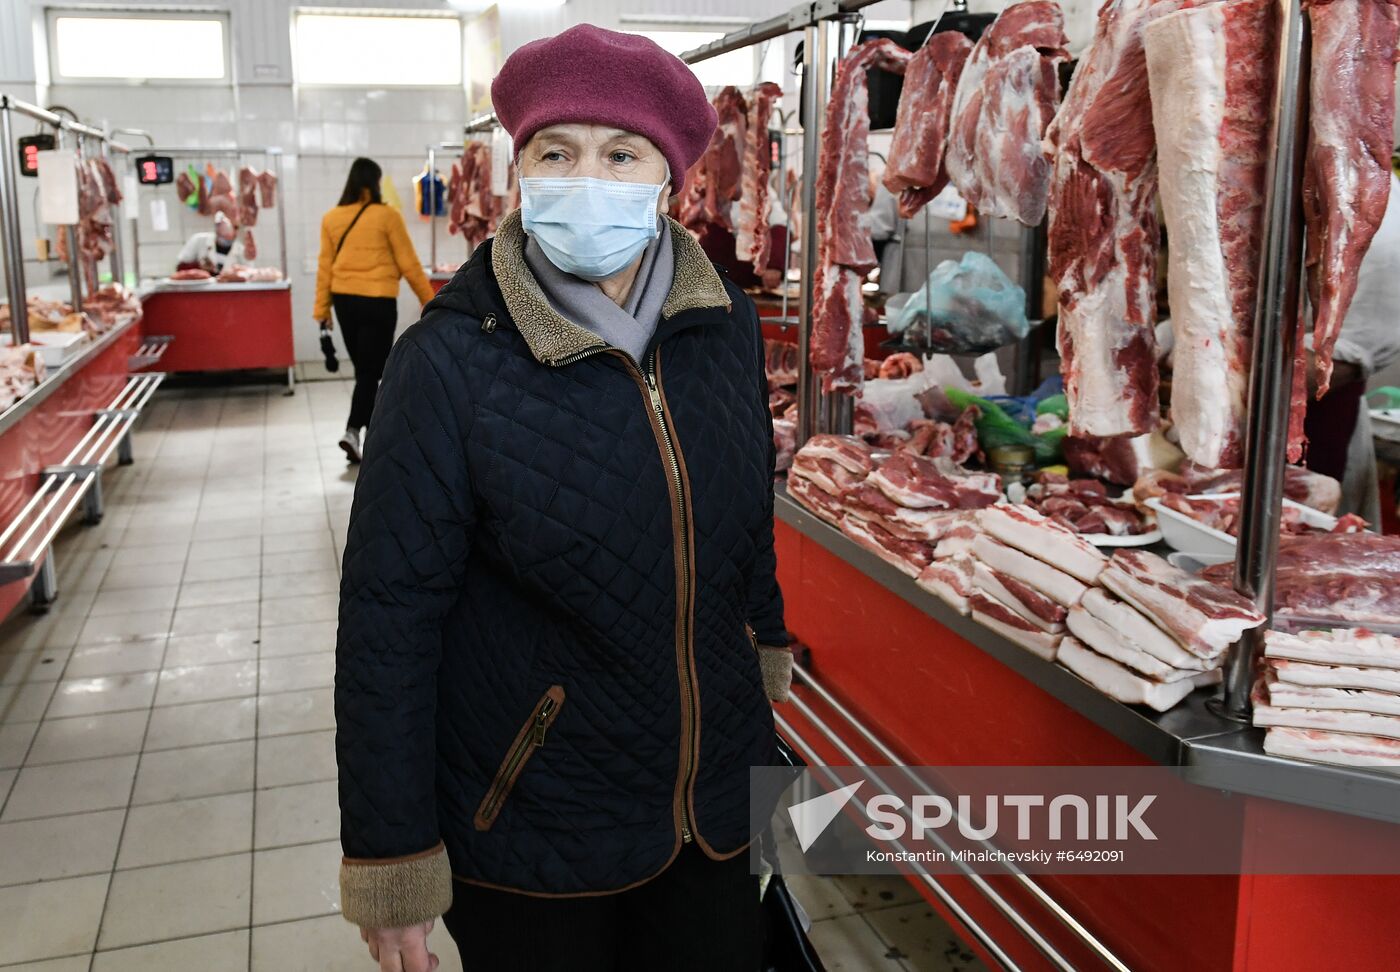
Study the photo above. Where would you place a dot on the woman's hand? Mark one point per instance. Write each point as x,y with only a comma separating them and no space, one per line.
326,325
401,949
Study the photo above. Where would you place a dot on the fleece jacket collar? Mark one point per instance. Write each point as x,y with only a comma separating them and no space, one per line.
551,337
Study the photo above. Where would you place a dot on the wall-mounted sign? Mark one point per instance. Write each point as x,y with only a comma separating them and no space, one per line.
29,148
155,170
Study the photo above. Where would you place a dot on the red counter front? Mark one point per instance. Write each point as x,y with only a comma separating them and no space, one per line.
938,699
48,430
224,327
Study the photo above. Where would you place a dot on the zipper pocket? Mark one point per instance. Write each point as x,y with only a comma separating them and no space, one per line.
530,738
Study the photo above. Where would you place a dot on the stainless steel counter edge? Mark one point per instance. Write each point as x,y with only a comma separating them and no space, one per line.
59,375
1214,751
214,288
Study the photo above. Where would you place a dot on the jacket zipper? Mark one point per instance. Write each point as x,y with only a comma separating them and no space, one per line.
525,747
649,383
683,602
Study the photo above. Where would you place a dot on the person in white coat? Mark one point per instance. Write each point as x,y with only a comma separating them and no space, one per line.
212,251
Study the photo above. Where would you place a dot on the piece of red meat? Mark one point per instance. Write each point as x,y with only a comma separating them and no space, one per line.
250,245
752,240
1346,183
915,172
843,199
1103,229
267,189
247,197
1212,70
1006,96
901,364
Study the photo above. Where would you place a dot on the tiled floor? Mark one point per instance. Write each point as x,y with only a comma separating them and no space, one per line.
167,771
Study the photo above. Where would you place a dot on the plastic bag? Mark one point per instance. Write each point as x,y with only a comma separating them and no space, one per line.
972,304
997,428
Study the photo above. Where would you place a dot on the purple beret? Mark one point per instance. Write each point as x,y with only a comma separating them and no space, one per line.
588,75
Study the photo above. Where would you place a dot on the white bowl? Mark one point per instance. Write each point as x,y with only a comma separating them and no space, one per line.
1184,533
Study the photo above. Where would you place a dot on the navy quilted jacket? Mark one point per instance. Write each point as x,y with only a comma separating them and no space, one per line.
558,576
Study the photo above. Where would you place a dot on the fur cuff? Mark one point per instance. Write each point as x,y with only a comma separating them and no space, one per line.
395,892
776,664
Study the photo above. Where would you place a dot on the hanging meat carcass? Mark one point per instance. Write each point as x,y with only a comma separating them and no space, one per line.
1212,71
1346,184
1006,97
250,245
916,171
846,253
94,221
715,180
752,238
221,198
472,210
108,179
1103,228
247,197
267,189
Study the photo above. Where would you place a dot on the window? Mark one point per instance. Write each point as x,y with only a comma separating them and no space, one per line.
374,50
137,46
744,67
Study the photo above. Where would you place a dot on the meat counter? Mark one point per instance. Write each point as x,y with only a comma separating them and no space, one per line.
939,689
43,426
222,327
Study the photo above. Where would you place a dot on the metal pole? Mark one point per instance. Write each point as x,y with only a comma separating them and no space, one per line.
838,409
10,228
814,95
118,272
1275,339
429,186
275,155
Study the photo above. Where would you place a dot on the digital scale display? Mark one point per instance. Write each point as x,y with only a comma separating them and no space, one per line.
29,148
155,170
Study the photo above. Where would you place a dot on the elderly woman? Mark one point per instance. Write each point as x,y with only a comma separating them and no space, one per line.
560,627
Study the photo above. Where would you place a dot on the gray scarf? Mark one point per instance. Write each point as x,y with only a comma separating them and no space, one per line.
628,327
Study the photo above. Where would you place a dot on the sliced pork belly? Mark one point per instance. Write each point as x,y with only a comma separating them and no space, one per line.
1288,695
1341,748
1336,676
1026,530
958,540
950,580
1134,628
1110,643
996,616
909,556
1362,723
1118,682
1035,607
814,498
1050,581
1341,646
1204,617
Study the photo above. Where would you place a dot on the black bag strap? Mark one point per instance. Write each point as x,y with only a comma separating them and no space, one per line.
347,231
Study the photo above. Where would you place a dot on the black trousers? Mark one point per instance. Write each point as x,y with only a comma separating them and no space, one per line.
367,327
699,915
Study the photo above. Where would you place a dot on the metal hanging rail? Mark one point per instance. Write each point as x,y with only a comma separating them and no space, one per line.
1271,366
800,17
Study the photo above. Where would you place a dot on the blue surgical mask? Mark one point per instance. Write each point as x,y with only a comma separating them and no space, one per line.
591,228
